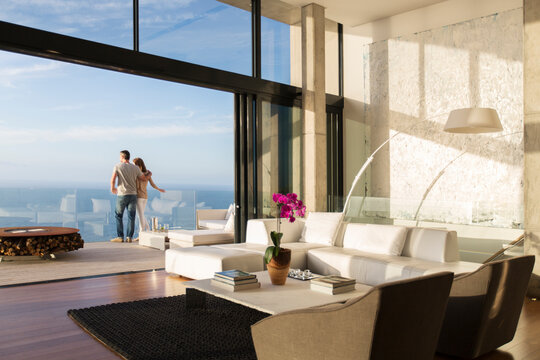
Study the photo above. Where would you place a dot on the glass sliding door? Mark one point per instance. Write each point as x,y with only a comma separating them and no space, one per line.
334,160
280,153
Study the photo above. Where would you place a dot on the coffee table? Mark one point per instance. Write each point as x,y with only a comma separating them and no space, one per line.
271,299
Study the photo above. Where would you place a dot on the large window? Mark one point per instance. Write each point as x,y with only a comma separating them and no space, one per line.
281,57
204,32
105,21
281,163
275,51
62,127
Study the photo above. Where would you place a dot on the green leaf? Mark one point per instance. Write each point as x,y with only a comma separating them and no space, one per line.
268,254
276,251
276,238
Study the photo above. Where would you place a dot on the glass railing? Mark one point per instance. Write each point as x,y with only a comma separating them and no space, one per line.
92,210
483,228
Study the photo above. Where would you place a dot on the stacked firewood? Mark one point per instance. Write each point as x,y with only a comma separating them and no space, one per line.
40,245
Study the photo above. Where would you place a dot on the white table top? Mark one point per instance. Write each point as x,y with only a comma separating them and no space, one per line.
274,299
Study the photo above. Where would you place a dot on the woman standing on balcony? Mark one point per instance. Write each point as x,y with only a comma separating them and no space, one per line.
142,195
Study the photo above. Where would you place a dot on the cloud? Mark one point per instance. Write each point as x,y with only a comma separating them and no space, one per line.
70,107
166,115
108,133
8,74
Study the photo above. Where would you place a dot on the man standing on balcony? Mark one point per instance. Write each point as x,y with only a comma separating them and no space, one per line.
127,175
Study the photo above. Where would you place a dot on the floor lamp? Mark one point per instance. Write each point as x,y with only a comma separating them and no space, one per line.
463,121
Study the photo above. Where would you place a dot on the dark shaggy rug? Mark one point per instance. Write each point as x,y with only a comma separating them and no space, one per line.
163,328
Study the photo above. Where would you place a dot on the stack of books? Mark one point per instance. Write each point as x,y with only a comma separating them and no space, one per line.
333,284
235,280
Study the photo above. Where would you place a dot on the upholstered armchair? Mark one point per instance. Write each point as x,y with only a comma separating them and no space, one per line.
484,307
398,320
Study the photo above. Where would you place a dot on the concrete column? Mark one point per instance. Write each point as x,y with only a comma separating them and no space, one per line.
531,101
314,107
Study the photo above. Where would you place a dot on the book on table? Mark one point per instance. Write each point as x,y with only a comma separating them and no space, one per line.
333,281
234,275
227,286
331,290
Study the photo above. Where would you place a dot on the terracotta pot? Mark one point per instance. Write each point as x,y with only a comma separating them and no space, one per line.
278,267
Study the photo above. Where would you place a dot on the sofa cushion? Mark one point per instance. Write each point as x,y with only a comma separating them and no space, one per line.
178,238
203,261
431,244
213,224
298,251
253,248
321,228
374,269
377,239
258,231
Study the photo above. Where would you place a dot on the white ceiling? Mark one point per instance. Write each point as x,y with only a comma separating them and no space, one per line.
357,12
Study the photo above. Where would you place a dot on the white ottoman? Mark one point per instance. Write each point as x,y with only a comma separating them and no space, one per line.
190,238
203,261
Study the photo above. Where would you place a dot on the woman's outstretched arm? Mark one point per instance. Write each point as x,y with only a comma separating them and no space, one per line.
154,185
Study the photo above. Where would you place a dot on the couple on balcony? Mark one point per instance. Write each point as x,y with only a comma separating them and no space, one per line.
133,180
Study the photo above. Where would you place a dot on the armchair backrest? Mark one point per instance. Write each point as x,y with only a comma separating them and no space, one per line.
484,307
399,320
410,316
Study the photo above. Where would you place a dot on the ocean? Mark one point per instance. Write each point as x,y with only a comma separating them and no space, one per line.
92,210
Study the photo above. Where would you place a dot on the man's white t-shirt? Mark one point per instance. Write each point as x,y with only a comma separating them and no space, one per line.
127,178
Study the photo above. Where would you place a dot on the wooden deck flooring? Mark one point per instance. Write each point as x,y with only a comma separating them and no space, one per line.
96,258
34,324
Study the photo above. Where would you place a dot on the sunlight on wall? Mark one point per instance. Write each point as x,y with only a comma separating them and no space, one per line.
412,83
446,76
404,78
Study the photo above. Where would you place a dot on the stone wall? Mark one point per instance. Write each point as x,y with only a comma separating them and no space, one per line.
411,83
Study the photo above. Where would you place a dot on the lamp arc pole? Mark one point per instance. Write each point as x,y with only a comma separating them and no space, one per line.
363,169
465,121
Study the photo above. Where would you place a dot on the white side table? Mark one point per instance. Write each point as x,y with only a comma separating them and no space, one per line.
154,239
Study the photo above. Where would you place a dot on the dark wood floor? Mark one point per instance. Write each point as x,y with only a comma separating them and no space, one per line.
34,324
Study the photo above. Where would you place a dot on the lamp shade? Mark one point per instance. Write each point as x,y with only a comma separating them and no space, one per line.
473,121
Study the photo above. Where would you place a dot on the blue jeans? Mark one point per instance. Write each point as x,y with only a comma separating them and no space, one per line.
123,201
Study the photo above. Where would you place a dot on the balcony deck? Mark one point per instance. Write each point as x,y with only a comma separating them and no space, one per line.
96,258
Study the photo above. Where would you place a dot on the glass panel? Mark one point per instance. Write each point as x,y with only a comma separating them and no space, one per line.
204,32
281,157
281,43
62,127
106,21
275,51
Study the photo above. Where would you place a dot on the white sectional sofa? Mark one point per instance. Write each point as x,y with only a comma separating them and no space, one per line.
372,254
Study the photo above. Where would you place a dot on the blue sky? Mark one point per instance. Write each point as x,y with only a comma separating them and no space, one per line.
64,124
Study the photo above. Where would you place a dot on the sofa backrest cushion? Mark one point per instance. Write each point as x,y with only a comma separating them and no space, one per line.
431,244
321,227
258,231
374,238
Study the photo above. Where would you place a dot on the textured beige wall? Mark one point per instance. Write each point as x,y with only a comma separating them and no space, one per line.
425,76
532,133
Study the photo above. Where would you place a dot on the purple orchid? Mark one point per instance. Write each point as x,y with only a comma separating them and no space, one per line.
288,207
